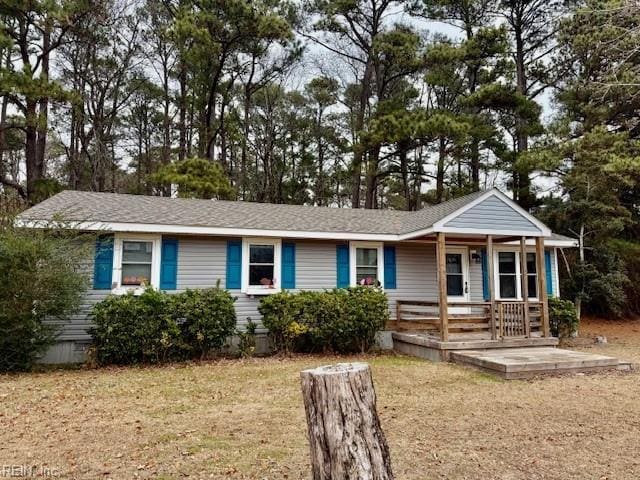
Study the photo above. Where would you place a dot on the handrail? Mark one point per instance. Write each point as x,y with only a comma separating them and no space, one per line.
508,322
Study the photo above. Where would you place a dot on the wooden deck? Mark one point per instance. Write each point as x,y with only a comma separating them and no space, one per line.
431,347
514,363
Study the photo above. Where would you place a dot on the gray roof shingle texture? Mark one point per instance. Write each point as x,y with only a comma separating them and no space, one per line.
122,208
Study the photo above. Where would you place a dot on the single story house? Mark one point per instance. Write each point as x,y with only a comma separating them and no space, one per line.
477,267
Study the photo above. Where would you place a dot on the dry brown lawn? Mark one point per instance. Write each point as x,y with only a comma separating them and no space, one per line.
245,420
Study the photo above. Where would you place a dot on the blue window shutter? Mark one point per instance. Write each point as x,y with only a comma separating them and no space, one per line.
234,264
289,265
547,268
485,275
103,263
342,261
169,264
389,266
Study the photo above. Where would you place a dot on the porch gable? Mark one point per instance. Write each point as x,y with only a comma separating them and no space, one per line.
495,214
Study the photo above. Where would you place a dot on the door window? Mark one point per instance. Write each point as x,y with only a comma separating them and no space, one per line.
455,275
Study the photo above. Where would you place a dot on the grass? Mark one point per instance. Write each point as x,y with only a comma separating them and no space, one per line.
244,419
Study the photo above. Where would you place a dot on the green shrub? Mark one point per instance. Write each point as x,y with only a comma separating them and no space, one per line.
340,320
563,321
135,328
279,313
42,277
208,318
156,326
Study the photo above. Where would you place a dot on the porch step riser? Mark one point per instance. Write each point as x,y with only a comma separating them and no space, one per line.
529,362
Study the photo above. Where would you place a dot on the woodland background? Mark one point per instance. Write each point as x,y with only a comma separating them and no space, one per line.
344,103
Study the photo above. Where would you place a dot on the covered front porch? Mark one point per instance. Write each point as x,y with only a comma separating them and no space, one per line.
454,321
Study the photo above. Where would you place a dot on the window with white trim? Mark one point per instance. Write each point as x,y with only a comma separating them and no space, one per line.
366,259
136,262
137,259
532,276
261,262
508,275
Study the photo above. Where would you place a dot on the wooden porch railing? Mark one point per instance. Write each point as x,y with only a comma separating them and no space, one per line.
509,319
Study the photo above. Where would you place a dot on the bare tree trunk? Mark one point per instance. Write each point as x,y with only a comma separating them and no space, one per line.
43,104
442,153
358,154
182,113
347,442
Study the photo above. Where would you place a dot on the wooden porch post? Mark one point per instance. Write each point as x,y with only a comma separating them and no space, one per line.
441,254
492,287
524,282
542,285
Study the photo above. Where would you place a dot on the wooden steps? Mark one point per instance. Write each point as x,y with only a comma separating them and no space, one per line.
526,362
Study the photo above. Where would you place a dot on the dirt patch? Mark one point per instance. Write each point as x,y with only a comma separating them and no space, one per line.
623,338
245,420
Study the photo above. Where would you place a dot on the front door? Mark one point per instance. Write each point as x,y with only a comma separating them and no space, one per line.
457,263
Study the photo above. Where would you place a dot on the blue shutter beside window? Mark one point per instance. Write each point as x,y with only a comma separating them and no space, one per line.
389,266
485,275
342,264
103,263
234,264
289,265
169,264
547,267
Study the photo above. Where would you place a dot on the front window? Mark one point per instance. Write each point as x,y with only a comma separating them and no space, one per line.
507,272
532,277
509,275
261,258
136,263
367,266
261,265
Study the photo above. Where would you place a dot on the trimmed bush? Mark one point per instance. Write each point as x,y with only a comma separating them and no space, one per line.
208,318
135,329
563,321
340,320
156,326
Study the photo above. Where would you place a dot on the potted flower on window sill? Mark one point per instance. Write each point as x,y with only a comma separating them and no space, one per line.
268,282
369,282
140,284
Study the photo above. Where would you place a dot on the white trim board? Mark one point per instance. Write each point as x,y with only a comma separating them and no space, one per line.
110,227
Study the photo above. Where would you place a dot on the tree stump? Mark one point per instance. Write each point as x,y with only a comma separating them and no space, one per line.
344,430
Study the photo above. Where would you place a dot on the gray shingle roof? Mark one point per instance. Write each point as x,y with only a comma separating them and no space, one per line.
80,206
122,208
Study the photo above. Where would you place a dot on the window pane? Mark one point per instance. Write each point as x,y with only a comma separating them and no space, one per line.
507,286
261,275
367,256
454,285
136,274
454,263
137,252
532,285
507,262
261,253
366,275
531,263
